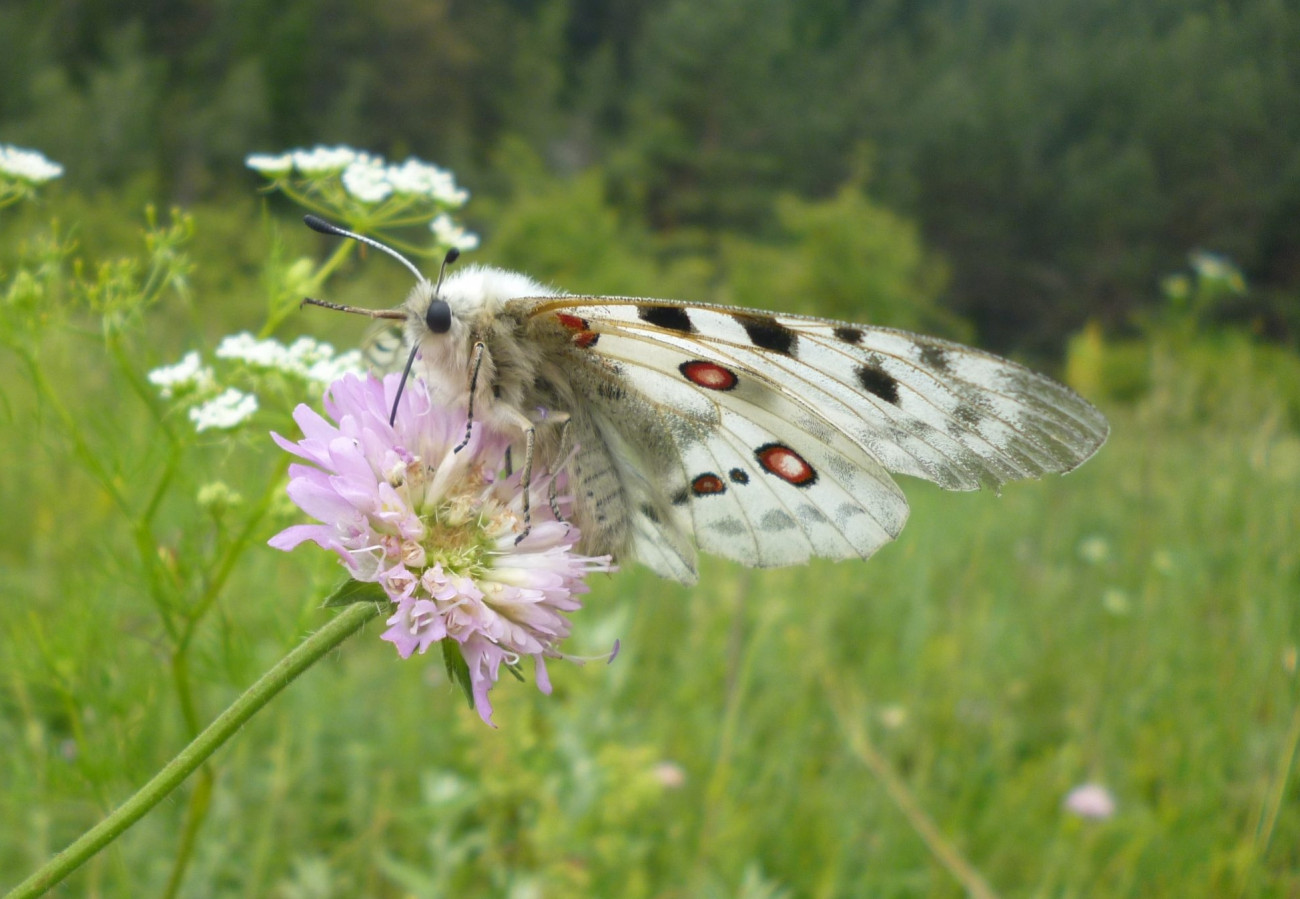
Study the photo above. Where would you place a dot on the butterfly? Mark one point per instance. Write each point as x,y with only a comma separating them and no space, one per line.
766,438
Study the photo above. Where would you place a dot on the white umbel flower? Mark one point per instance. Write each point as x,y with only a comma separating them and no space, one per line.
225,411
450,234
321,160
27,165
188,373
270,165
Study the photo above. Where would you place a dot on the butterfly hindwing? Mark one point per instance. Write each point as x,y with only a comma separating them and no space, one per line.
767,495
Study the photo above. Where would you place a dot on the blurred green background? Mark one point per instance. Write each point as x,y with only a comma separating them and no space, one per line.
1042,179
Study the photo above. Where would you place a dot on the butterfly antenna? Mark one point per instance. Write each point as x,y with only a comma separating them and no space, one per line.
401,385
316,223
452,255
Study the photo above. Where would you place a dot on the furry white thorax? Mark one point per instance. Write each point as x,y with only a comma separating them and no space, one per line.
477,295
476,289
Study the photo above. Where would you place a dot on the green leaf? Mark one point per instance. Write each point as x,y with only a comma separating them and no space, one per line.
352,591
457,669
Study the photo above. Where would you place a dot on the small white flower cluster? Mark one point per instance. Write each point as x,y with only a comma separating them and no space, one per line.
188,374
224,411
450,234
308,359
27,165
305,358
365,176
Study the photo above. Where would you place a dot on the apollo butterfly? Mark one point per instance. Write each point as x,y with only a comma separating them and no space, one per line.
762,437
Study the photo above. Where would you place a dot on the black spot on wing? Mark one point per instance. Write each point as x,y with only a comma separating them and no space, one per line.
681,497
849,335
776,520
878,382
968,415
936,357
670,318
738,476
650,512
769,334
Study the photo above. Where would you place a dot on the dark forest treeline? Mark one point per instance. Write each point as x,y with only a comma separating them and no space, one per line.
1059,154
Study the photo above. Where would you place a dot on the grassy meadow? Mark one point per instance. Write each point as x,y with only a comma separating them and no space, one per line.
909,726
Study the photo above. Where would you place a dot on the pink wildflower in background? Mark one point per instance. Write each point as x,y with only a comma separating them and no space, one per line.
437,529
1091,801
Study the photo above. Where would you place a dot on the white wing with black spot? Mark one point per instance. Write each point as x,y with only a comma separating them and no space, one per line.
785,425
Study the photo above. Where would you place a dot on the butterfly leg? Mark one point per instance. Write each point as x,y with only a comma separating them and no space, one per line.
553,489
475,363
526,482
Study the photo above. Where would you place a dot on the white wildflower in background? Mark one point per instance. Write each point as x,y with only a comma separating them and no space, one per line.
367,180
190,383
188,374
449,234
305,358
225,411
247,348
270,165
317,173
30,166
422,178
1091,801
323,160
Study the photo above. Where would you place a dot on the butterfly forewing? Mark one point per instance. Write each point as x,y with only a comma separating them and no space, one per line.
921,406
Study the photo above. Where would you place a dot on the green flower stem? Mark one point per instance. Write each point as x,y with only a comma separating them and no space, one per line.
346,623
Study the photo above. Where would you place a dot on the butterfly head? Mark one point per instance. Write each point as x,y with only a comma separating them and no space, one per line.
427,311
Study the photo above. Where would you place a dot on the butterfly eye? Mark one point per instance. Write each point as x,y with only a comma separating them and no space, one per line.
438,316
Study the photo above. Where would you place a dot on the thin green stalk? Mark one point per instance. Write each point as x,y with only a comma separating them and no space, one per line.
922,824
311,650
195,814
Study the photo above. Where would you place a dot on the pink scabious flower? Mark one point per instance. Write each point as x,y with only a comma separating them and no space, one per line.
1091,801
436,528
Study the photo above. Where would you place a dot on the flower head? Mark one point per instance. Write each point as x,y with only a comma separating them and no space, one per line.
304,358
319,160
1091,801
27,165
226,410
188,374
450,234
437,529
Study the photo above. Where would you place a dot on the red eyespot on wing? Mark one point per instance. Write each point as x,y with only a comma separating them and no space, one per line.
778,459
707,484
708,375
582,338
